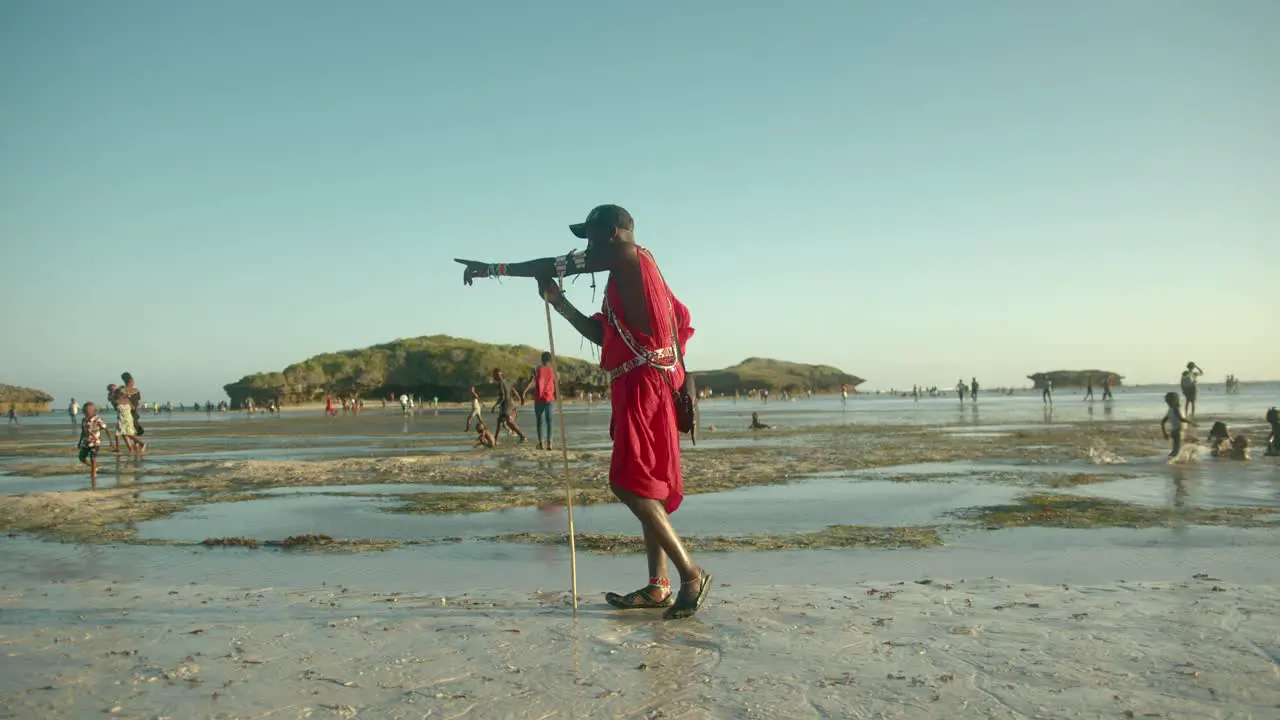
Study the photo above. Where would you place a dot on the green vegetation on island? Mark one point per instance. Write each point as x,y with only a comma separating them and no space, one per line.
764,373
447,367
432,366
1076,378
26,399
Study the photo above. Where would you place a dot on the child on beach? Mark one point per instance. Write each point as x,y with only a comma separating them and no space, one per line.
1223,444
1175,420
1219,439
475,409
1189,387
1273,442
757,425
91,440
484,438
1239,448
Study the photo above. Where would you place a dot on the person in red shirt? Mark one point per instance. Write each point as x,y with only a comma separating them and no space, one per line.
637,330
543,383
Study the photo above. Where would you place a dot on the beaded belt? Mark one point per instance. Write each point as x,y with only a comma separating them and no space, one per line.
642,360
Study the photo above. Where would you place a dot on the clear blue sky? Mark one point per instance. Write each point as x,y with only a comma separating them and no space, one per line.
910,191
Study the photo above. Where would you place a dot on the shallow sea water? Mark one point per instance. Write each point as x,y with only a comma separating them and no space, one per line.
921,494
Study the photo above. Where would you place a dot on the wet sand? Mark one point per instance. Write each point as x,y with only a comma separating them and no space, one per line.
889,649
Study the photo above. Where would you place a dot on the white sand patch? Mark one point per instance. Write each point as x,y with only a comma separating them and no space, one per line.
1198,649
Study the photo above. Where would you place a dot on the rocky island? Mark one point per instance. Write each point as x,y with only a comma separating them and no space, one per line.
447,367
1076,378
764,373
24,398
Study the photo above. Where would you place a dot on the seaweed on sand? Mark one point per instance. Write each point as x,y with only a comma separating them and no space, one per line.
835,536
1074,511
309,540
1077,479
325,542
231,542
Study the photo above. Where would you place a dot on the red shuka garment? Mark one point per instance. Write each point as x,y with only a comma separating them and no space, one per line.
545,384
646,444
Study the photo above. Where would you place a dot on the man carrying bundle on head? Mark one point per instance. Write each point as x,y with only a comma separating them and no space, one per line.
642,330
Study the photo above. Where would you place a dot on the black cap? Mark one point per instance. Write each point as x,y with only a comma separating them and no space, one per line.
610,216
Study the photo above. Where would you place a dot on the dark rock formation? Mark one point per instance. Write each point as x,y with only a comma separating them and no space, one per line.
1076,378
775,375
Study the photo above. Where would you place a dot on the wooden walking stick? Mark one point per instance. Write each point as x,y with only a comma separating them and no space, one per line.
564,449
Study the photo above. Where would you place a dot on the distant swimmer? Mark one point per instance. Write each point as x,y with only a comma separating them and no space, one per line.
757,425
961,388
1047,395
404,404
1175,420
13,414
73,410
973,390
1189,387
1106,387
1088,390
844,395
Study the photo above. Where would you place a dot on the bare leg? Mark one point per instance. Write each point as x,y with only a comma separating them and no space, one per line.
513,428
657,558
657,525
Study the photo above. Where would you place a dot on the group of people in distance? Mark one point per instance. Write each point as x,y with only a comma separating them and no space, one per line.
127,400
542,383
1179,416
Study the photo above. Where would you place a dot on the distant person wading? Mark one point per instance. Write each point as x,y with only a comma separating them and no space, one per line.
1189,387
506,407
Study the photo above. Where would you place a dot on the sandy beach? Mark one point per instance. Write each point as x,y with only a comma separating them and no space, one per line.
897,561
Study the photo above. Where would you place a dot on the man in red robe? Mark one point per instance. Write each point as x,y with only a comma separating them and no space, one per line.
638,329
